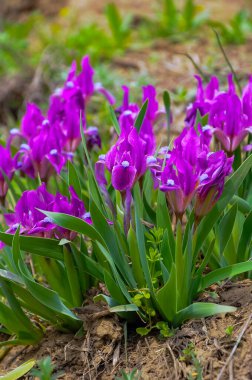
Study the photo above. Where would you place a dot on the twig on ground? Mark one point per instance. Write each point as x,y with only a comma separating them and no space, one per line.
174,360
245,326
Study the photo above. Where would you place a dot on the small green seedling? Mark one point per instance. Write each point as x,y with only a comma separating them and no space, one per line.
45,370
132,375
229,330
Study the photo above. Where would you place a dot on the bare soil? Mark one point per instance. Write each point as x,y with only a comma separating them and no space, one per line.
102,352
17,10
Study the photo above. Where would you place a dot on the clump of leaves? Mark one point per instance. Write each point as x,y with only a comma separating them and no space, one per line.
174,21
237,30
120,26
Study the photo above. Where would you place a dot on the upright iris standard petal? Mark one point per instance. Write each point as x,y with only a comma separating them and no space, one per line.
7,169
203,101
230,117
31,121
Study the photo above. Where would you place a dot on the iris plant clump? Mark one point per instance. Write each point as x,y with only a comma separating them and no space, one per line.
143,219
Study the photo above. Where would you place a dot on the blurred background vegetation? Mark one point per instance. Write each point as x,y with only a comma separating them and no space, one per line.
159,41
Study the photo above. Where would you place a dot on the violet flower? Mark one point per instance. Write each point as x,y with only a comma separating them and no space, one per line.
92,138
126,161
31,121
190,171
128,113
66,109
43,155
33,222
69,103
7,170
229,121
84,81
203,101
230,118
212,180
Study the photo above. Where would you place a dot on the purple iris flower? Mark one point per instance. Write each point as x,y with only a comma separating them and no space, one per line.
34,222
7,170
66,108
178,181
211,182
203,101
126,105
31,121
229,121
68,104
130,156
92,138
126,161
230,118
190,172
43,155
128,113
84,81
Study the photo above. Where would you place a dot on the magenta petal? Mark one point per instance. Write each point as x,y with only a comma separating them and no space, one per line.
247,148
100,172
123,178
99,88
222,137
238,139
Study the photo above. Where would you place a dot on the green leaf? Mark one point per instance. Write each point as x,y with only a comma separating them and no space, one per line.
108,233
180,268
167,296
135,259
39,246
24,322
73,224
123,308
73,179
206,259
50,299
224,273
113,288
92,267
72,276
143,331
226,226
167,105
140,238
141,115
19,371
245,239
231,187
114,120
201,310
167,254
164,221
117,276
